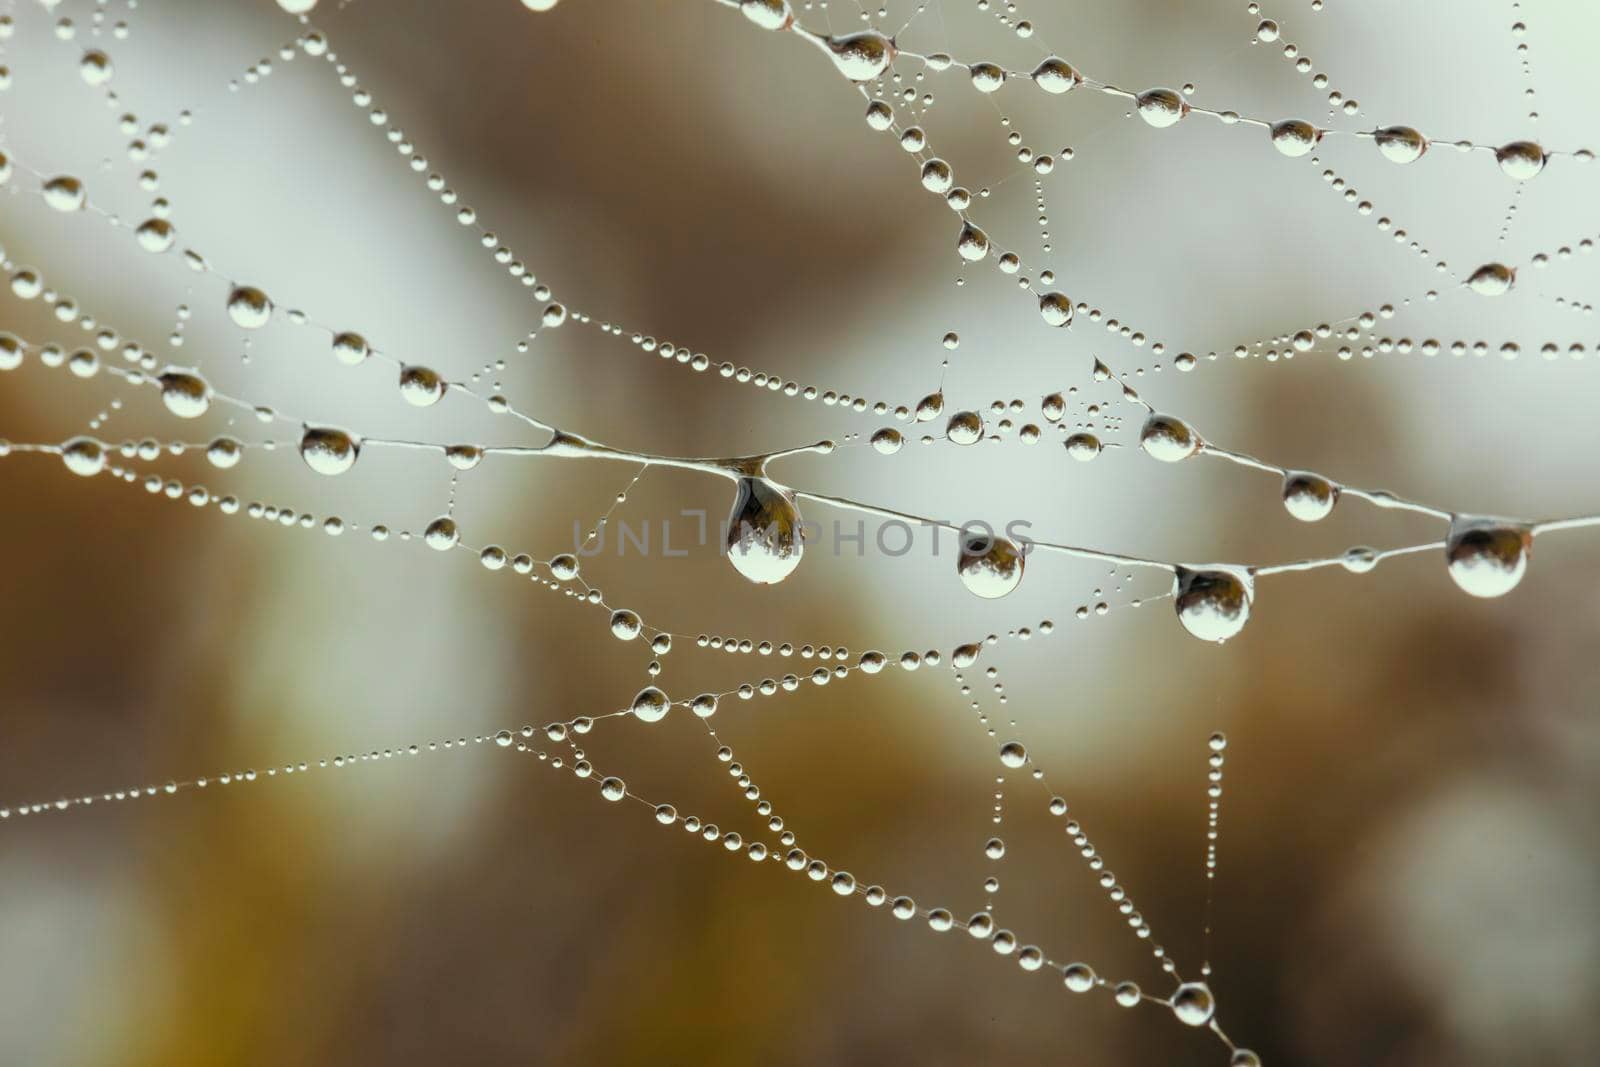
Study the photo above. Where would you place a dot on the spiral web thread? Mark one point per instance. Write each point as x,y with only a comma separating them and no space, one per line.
875,51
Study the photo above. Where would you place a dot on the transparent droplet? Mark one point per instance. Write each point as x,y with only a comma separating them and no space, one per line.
764,531
1168,438
613,788
155,235
1083,446
937,176
329,451
350,348
1487,557
64,193
441,534
625,625
1055,308
1127,994
1308,497
990,566
1294,137
1213,604
1078,977
930,407
964,428
1491,279
249,307
1193,1004
1056,75
651,705
704,705
887,440
1161,107
862,56
186,395
84,456
95,67
972,243
224,452
1401,144
421,386
1521,160
987,77
768,14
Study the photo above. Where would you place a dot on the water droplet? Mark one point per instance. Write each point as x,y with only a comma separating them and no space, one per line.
764,531
613,788
1161,107
1267,31
1308,497
249,307
420,386
1083,446
990,566
651,705
1056,75
328,451
1294,137
1521,160
862,56
1168,438
937,176
350,348
155,235
964,428
1078,977
95,67
768,14
441,534
1487,557
987,77
1193,1004
186,395
1492,279
224,452
1400,144
1214,604
1013,754
972,243
84,456
1127,994
625,625
887,440
1055,308
704,705
64,193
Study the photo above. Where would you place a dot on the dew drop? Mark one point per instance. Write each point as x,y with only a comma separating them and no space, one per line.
768,14
441,534
1078,977
862,56
350,348
421,386
972,243
1492,279
613,789
1055,75
1055,308
64,193
249,307
887,441
1168,438
965,428
1083,446
625,625
1521,160
990,566
1401,144
84,456
1308,497
155,235
186,395
1294,137
1213,604
764,541
1161,107
328,451
651,705
1193,1004
1487,557
1127,994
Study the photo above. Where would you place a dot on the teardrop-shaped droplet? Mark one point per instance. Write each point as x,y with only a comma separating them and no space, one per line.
1056,75
651,705
1193,1004
768,14
1168,438
1401,144
1521,160
1161,107
972,243
1492,279
964,428
84,456
862,56
1055,308
764,542
1294,137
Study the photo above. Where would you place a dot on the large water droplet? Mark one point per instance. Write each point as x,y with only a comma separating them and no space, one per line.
1294,137
1056,75
1168,438
1013,754
84,456
651,705
1400,144
768,14
1161,107
764,531
249,307
1487,557
420,386
1055,308
972,243
1308,497
64,193
1213,604
1491,279
990,566
1520,159
329,451
862,56
186,395
1193,1004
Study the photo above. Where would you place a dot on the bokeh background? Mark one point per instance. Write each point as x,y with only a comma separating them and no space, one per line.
1408,848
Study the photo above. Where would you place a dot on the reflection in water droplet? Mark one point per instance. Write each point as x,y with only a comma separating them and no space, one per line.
764,531
990,566
1213,604
1308,497
1168,438
1487,557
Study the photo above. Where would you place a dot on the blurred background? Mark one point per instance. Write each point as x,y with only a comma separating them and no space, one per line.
1408,851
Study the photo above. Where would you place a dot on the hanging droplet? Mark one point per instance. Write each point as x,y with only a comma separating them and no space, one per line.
1161,107
420,386
1055,308
64,193
1267,31
964,428
1492,279
186,395
441,534
768,14
1168,438
887,440
1193,1004
1127,994
1214,604
862,56
1013,755
155,235
1055,75
1294,137
463,457
930,407
301,7
350,348
764,542
95,67
972,243
613,788
84,456
1521,160
1487,557
937,176
249,307
224,452
1078,977
1308,497
1083,446
987,77
625,625
704,705
329,451
1401,144
990,566
651,705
